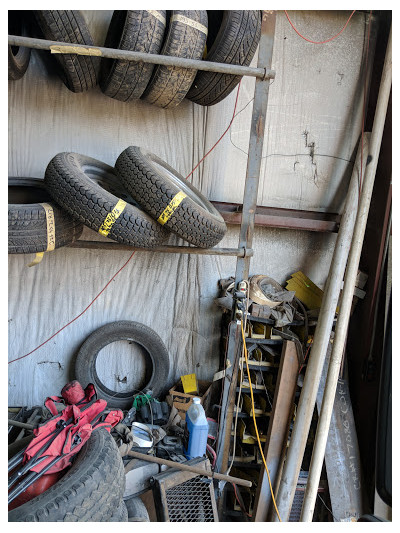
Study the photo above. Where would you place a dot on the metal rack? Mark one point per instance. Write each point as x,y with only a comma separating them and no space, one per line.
262,73
249,209
248,214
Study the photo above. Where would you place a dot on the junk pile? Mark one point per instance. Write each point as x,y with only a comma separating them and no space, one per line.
267,299
278,329
176,430
64,433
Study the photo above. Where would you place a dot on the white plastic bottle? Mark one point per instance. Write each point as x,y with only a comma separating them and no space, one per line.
197,430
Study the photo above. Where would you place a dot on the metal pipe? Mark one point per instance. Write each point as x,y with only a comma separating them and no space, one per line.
256,142
316,360
348,289
246,232
228,398
128,55
99,245
190,468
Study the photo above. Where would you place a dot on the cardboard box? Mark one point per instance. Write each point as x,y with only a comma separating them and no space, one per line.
182,401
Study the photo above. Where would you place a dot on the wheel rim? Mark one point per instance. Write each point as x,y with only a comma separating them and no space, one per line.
180,182
109,182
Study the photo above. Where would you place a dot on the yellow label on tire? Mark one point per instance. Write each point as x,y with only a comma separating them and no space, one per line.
171,207
51,234
110,219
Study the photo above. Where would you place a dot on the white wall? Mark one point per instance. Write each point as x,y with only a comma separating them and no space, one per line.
316,90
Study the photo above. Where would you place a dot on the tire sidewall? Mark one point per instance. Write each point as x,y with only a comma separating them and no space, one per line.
207,208
149,340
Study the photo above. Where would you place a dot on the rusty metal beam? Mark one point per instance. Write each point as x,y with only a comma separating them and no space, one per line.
278,429
277,217
256,143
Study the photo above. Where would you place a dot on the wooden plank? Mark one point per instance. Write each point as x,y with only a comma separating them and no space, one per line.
278,429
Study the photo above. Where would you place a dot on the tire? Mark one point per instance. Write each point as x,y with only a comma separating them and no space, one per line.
85,364
120,514
138,31
79,73
169,85
90,190
88,492
235,43
137,511
27,223
154,184
18,56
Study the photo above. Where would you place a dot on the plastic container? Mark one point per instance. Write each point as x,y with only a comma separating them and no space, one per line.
196,430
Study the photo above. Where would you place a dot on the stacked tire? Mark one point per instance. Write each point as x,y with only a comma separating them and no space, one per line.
170,199
28,231
137,203
90,491
91,192
18,56
218,36
153,199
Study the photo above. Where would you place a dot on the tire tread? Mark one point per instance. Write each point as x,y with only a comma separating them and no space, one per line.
236,43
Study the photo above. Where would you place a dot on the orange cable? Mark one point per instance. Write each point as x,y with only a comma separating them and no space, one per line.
318,42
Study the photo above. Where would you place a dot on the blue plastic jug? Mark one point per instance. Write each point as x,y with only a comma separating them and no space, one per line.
196,430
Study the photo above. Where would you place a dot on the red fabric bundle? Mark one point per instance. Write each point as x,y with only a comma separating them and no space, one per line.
66,432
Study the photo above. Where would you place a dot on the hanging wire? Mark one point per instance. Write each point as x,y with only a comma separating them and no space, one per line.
318,42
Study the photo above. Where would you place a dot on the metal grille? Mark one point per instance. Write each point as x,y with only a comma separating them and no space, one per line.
295,512
190,501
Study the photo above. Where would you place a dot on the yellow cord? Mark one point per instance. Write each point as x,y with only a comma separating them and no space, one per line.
255,423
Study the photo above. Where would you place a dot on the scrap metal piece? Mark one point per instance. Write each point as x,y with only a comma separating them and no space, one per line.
184,496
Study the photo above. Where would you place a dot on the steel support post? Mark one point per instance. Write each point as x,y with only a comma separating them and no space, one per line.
246,230
261,93
305,408
228,397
